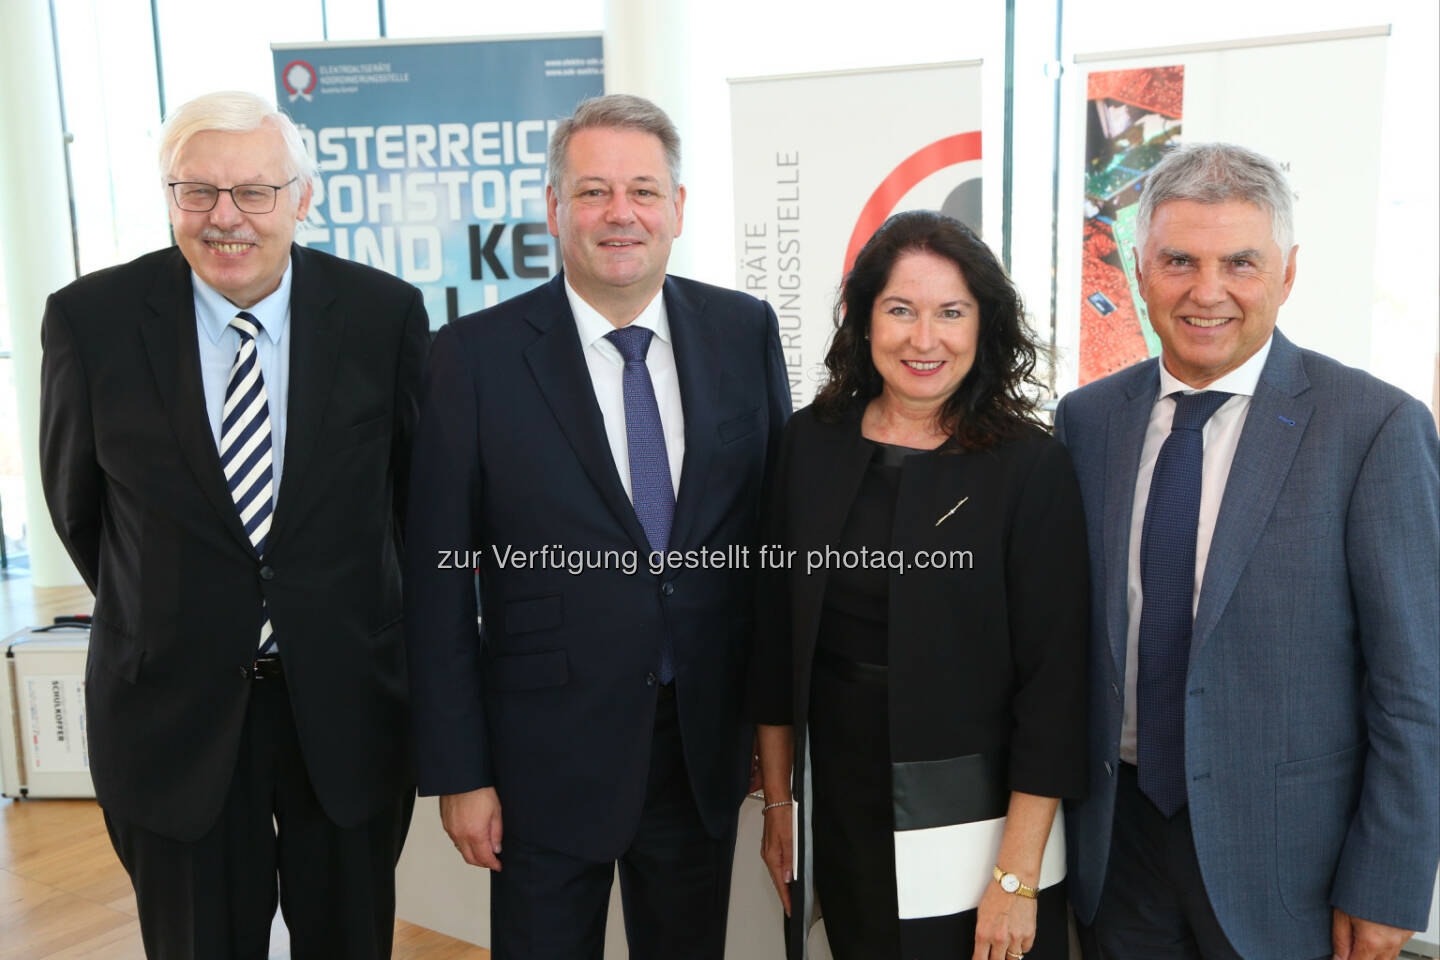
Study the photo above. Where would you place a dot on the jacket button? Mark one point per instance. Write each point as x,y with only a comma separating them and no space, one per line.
1109,771
1114,690
667,589
244,673
651,679
267,573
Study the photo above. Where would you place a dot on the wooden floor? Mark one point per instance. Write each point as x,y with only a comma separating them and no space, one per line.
63,894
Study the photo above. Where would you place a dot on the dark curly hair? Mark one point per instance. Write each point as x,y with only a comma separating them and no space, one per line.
990,405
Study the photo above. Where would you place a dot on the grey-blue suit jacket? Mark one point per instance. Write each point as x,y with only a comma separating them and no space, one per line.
1312,715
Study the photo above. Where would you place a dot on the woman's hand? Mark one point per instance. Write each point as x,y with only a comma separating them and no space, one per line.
1005,922
1005,925
777,849
776,746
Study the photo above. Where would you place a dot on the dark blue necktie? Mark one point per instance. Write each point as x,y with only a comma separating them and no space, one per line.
245,452
650,488
1167,582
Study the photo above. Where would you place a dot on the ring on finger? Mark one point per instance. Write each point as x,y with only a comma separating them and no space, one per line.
1017,956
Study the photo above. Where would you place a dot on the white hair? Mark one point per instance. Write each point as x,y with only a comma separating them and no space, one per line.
234,111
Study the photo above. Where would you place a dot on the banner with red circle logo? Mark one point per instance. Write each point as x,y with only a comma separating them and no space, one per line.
821,160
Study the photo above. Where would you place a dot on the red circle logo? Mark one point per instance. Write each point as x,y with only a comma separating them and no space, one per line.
946,152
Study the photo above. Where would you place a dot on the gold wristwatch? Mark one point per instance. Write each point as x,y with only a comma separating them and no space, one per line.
1011,884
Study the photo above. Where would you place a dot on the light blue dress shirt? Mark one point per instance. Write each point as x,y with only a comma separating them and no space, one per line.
219,343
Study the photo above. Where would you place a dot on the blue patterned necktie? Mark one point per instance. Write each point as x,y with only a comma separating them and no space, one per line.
650,488
1167,582
245,453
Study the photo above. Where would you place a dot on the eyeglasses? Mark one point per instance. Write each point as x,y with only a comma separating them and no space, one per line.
195,197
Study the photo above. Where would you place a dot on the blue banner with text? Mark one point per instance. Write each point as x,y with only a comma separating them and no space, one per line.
432,156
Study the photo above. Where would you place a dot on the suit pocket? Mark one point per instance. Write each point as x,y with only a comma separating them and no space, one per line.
365,430
528,671
113,650
1315,800
527,616
741,426
1287,531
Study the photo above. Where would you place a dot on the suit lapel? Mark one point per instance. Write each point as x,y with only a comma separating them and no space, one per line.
171,341
696,345
1268,442
316,332
557,362
1124,438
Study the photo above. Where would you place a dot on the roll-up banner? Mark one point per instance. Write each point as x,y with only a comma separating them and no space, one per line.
820,161
1312,103
432,155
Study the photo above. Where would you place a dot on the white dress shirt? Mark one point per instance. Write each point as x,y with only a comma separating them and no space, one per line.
1220,436
607,368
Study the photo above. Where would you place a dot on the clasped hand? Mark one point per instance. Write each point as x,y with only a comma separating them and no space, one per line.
473,822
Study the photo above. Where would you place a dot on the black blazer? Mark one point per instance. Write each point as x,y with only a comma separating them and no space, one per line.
133,481
553,700
986,651
982,659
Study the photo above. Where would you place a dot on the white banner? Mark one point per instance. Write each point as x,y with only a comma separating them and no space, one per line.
820,161
57,724
1312,103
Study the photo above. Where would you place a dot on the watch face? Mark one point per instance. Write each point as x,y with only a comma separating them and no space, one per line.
1009,883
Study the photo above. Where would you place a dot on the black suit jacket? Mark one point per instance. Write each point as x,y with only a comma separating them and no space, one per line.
134,485
553,700
986,651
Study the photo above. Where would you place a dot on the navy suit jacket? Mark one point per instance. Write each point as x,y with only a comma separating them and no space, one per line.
552,700
1312,716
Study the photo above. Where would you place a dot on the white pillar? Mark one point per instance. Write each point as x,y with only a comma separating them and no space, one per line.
35,238
648,46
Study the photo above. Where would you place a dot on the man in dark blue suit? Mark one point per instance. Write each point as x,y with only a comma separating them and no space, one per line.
1265,656
602,442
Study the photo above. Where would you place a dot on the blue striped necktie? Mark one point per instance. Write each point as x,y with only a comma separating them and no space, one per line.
245,452
651,490
1167,611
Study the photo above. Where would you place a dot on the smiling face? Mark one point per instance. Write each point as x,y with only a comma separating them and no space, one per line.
616,214
241,255
924,327
1213,280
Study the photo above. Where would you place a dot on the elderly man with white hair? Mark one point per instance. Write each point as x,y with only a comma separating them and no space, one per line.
225,443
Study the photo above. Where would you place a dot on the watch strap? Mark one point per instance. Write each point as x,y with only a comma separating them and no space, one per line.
1021,889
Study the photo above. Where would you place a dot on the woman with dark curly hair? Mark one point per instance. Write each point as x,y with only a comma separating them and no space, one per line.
919,670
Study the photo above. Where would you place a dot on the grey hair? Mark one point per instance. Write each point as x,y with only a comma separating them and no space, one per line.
1216,173
234,111
616,111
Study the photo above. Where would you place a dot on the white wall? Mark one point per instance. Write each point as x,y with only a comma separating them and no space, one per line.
35,241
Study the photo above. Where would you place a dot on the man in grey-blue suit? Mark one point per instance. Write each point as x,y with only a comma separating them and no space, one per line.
1266,768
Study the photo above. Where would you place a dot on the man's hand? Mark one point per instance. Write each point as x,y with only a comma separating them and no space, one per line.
473,822
1357,939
